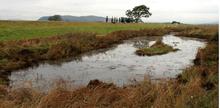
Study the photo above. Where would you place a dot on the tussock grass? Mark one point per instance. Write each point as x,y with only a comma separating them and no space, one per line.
200,31
157,49
196,87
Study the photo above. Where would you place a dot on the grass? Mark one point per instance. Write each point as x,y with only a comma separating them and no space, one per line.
157,49
196,87
17,54
19,30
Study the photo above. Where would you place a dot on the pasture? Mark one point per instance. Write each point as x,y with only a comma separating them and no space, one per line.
19,30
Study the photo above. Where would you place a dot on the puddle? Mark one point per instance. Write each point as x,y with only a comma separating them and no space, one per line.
119,65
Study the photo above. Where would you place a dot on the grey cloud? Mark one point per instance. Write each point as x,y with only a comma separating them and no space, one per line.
163,10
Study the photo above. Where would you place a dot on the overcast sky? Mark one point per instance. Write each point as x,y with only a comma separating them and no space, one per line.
188,11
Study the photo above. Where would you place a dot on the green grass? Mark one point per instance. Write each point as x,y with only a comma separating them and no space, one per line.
157,49
18,30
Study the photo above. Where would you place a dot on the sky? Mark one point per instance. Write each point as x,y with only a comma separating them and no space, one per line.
186,11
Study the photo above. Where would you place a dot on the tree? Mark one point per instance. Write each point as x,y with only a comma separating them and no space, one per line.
129,14
129,20
175,22
106,20
122,19
55,18
138,12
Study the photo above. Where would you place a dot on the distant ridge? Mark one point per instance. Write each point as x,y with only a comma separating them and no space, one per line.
70,18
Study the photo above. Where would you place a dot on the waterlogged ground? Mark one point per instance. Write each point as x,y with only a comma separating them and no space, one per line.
119,65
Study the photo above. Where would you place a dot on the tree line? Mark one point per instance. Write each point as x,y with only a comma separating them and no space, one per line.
119,20
133,16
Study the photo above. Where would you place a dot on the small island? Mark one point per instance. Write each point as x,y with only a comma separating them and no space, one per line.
157,49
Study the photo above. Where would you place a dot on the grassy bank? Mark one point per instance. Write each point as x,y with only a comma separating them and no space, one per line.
156,49
196,87
23,53
18,54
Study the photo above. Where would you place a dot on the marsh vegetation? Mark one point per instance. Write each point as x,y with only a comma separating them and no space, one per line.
196,86
158,48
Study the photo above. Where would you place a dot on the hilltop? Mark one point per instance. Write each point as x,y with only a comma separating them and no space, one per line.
69,18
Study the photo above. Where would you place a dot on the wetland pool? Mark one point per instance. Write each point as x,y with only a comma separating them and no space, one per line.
119,65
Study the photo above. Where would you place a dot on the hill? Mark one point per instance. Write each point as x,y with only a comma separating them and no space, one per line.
70,18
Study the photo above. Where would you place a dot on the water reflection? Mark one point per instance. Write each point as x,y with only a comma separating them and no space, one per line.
119,65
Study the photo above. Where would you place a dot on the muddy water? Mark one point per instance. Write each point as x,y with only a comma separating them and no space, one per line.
119,65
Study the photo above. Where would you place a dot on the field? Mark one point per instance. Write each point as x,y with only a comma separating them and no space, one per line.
18,30
22,46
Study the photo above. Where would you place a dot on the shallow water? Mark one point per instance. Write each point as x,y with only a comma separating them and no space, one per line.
119,65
